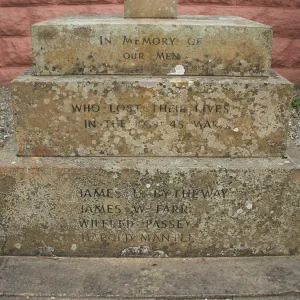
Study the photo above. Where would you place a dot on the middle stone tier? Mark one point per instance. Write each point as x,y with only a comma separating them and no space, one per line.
149,116
189,45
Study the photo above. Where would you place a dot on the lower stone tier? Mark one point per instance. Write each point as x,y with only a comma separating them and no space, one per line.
59,278
151,116
110,207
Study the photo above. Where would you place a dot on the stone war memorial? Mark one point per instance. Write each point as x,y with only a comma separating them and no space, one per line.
150,135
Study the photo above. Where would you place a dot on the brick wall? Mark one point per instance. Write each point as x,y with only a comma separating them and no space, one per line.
17,15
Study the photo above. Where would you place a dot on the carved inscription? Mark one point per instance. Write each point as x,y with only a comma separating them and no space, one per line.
150,42
111,215
199,116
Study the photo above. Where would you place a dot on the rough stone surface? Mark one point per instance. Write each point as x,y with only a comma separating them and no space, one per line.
157,207
295,121
6,118
250,278
150,8
142,116
282,15
189,45
7,127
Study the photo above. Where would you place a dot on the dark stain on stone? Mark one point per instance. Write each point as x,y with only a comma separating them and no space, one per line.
47,33
293,251
7,184
83,31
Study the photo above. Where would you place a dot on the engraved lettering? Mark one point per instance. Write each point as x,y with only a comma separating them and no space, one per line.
130,108
168,56
138,209
89,123
204,124
163,237
170,108
99,223
101,209
212,108
105,40
203,193
114,123
172,41
94,193
148,41
88,236
226,108
86,108
164,208
159,194
133,55
167,223
127,40
177,124
194,42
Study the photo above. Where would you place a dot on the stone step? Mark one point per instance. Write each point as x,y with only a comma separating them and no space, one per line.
149,207
189,45
151,116
46,278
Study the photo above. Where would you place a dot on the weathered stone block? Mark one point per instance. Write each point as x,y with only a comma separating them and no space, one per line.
150,8
143,116
149,206
190,45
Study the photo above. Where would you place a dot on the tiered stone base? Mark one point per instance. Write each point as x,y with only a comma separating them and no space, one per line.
151,116
109,207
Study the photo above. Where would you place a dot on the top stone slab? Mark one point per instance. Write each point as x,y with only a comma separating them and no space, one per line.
151,9
188,45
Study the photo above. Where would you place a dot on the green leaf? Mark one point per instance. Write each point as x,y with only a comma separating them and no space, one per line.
296,103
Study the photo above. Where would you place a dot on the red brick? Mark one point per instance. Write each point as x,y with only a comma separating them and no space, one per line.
218,2
14,21
285,21
291,74
2,63
25,2
295,53
43,13
195,10
106,9
71,2
281,52
279,3
17,51
252,13
8,74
